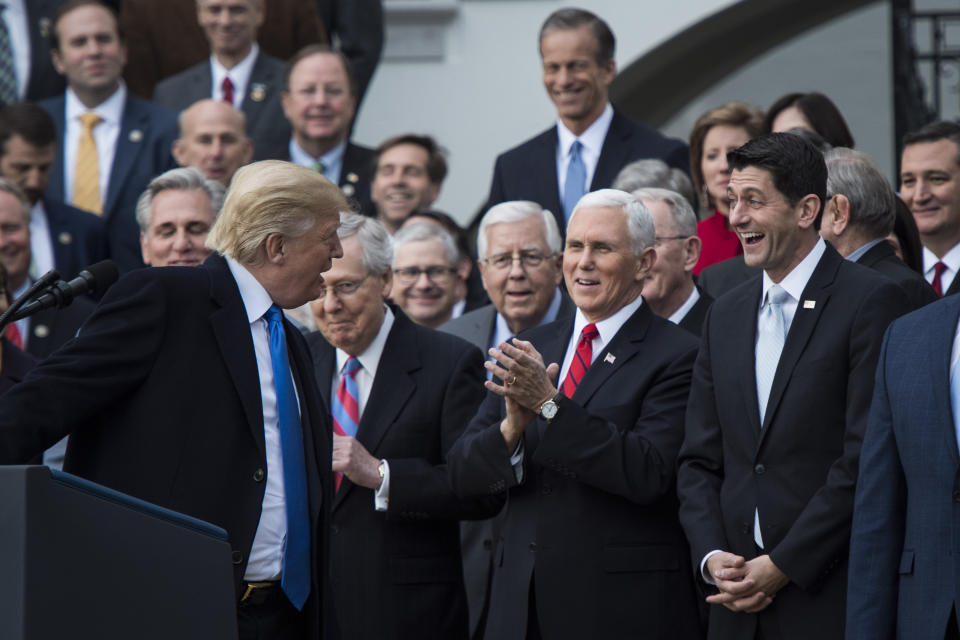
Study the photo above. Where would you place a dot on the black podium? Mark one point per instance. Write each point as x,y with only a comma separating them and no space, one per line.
78,560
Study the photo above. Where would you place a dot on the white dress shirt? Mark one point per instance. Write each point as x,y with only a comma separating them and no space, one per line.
15,17
332,160
41,243
856,255
607,329
677,316
369,361
105,135
950,258
592,141
239,75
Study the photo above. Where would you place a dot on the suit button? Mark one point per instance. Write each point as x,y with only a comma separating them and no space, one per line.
546,490
759,469
745,528
532,546
236,557
956,496
258,475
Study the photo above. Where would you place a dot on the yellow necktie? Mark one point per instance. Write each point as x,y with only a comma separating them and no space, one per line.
86,175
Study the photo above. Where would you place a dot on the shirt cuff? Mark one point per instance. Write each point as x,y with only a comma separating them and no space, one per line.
703,568
381,497
516,461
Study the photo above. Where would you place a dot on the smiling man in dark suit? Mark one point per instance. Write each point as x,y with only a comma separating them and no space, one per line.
103,166
778,406
400,394
187,388
590,546
237,73
591,141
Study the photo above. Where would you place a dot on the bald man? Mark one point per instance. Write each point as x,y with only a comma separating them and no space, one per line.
213,139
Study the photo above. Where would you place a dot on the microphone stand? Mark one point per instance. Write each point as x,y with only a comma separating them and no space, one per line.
42,282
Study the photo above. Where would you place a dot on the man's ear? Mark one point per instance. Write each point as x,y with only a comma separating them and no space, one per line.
839,206
808,207
692,247
274,248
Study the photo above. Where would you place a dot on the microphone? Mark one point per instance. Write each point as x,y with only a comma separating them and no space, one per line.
94,279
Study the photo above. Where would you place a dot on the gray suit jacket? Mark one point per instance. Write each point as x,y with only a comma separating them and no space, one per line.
266,124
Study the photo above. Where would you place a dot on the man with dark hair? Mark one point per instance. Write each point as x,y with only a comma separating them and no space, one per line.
61,237
113,143
591,141
408,173
930,187
769,461
319,100
858,217
237,73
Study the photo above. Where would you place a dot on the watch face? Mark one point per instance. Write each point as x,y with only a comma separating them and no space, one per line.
549,409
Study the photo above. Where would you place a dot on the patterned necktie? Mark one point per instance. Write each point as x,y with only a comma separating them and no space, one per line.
8,74
319,167
227,88
581,360
346,406
575,184
14,335
938,270
86,176
771,333
295,578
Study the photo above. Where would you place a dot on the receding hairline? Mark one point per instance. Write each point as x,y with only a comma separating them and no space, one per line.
192,113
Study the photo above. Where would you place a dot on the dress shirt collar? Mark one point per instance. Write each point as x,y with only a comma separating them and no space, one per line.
950,258
255,298
856,255
370,358
608,327
110,110
502,331
331,160
239,75
795,281
592,139
677,316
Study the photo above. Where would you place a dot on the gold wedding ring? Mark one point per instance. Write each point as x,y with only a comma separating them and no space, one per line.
512,380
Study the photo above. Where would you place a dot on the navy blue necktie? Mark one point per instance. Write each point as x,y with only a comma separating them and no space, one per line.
575,184
296,556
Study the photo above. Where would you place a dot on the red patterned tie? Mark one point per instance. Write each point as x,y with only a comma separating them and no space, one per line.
14,336
345,406
581,360
938,270
227,90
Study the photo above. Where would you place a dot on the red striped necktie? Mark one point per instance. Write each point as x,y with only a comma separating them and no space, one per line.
938,270
581,360
346,406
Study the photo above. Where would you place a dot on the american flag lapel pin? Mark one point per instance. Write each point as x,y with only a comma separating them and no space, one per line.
809,304
610,358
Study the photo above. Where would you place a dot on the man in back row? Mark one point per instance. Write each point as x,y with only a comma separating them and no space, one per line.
591,141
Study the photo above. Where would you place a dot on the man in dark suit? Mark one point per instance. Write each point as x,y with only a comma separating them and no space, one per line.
104,165
358,27
670,290
902,546
408,173
591,546
237,73
61,237
591,141
208,439
930,187
520,255
778,407
213,138
858,217
395,545
721,277
28,24
319,100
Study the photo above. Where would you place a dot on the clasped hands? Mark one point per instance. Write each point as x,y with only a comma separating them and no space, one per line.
528,383
354,461
748,586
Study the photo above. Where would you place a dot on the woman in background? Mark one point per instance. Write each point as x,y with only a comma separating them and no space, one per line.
812,111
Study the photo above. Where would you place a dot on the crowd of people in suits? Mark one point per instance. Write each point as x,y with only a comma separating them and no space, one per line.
660,389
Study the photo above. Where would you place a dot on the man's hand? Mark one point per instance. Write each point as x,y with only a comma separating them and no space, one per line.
525,378
354,461
744,586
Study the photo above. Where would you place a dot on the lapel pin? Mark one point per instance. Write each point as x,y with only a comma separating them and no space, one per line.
348,190
258,92
610,358
352,177
809,304
65,237
41,331
136,135
44,24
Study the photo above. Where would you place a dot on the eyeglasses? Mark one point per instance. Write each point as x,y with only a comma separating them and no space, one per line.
526,258
342,289
435,273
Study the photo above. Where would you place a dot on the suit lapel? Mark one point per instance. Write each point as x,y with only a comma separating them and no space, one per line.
940,352
55,186
739,348
876,253
134,128
613,154
553,349
261,81
619,351
801,329
544,170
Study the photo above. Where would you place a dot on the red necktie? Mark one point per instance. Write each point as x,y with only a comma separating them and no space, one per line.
227,87
938,270
581,360
13,335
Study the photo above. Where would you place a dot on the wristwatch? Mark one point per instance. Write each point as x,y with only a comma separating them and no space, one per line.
381,469
549,409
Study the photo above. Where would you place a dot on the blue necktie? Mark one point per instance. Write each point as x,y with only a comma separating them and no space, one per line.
575,184
296,557
771,334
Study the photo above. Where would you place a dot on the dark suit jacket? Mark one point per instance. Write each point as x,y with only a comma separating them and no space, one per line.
799,467
79,237
266,124
594,521
50,329
882,258
189,438
164,38
355,176
721,277
143,152
14,365
44,80
397,573
693,321
903,557
477,326
954,286
358,26
529,171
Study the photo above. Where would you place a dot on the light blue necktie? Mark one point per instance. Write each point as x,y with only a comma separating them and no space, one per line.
295,579
574,186
771,333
